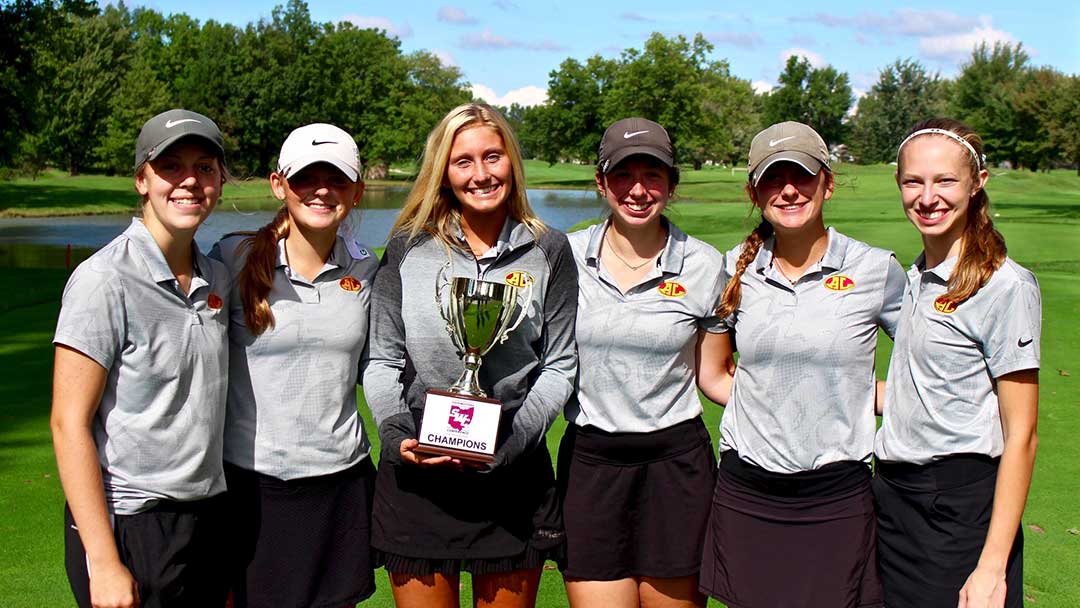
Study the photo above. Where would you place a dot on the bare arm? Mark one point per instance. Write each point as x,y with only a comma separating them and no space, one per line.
879,397
715,366
1018,400
78,382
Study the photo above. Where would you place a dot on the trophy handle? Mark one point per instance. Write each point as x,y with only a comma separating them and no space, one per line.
441,282
525,301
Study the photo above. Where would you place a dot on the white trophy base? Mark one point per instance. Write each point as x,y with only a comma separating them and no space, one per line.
461,426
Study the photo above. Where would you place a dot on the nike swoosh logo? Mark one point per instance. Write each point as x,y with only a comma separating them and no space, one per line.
773,142
319,143
172,123
1022,343
628,135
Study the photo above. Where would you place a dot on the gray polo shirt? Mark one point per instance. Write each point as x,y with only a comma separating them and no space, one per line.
410,351
158,428
941,395
636,349
804,388
292,389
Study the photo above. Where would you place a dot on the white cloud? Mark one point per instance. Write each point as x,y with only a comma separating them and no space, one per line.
631,16
445,57
957,47
492,41
903,22
453,14
815,59
738,39
761,87
525,96
402,30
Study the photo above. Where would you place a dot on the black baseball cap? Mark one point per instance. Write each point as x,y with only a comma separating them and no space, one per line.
167,128
631,136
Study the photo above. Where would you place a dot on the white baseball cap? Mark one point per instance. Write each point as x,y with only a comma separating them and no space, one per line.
319,143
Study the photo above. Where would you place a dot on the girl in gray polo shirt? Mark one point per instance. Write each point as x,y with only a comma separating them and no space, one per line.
792,520
139,388
957,442
296,453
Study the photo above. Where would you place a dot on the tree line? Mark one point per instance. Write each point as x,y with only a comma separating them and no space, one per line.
78,81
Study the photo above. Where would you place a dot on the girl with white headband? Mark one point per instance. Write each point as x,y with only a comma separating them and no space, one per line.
957,444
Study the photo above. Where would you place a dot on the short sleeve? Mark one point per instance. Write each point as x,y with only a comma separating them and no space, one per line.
1013,329
92,314
892,297
711,321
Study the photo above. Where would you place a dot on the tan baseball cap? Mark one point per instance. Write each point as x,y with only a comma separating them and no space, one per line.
787,141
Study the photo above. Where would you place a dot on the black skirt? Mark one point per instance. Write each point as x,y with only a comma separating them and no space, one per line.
932,524
635,504
428,520
802,539
302,542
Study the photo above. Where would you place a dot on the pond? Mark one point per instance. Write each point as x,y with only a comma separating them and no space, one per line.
61,241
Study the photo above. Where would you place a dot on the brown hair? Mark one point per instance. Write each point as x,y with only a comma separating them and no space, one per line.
257,276
982,249
430,207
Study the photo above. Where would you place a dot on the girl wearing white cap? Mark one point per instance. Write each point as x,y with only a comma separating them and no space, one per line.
296,454
139,386
436,516
957,442
636,464
792,521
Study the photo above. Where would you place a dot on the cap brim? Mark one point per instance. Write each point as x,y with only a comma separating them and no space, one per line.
804,160
164,145
300,164
621,155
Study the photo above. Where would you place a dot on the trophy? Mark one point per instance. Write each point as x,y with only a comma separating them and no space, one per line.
462,421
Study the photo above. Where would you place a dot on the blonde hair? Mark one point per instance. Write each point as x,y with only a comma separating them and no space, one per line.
430,206
982,249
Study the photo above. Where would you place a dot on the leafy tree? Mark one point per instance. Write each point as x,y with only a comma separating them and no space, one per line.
570,124
1033,106
903,95
984,98
1064,119
819,97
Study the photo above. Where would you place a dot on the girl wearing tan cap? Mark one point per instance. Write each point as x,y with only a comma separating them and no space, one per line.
792,520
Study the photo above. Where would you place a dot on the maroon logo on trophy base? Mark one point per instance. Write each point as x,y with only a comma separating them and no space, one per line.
460,417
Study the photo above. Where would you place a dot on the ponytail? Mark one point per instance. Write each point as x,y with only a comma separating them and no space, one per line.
729,302
257,276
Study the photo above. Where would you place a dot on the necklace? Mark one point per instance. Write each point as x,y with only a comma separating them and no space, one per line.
611,248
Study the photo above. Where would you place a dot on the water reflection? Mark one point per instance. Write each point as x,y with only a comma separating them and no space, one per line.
43,242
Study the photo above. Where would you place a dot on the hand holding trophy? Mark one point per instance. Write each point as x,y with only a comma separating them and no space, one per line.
462,421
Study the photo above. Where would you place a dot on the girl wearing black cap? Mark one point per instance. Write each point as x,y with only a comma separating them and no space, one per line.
139,386
957,441
636,464
296,453
792,520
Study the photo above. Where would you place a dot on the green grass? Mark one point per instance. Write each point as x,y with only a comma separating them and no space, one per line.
1038,213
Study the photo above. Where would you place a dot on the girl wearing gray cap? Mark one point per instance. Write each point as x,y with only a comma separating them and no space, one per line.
296,453
139,386
636,464
792,520
468,217
957,441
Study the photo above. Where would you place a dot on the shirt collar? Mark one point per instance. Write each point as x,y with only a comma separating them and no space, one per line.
832,260
339,256
513,235
671,258
942,271
148,249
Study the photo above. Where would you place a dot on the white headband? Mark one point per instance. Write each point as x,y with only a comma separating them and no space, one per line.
980,161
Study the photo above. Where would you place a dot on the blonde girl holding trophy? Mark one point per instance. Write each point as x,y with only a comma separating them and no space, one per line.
437,515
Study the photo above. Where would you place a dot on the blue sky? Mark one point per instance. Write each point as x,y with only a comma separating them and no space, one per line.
506,48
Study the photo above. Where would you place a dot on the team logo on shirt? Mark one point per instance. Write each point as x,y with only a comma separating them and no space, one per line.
460,417
518,278
671,289
944,305
214,301
349,284
839,283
